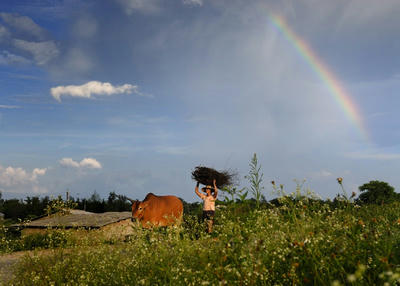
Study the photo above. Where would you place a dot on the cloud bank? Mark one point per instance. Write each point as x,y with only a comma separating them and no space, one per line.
7,58
25,42
382,156
42,52
193,2
89,163
144,6
150,6
23,24
17,180
9,106
91,88
11,176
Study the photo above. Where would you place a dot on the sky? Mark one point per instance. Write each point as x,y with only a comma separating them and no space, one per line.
131,95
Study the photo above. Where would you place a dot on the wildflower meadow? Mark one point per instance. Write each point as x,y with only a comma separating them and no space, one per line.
295,239
296,242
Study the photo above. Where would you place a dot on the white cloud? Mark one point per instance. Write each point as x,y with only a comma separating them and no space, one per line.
7,58
193,2
85,27
4,33
23,24
172,150
322,174
365,12
89,163
40,190
38,172
149,6
78,61
29,43
42,52
9,106
68,162
144,6
91,88
373,156
11,177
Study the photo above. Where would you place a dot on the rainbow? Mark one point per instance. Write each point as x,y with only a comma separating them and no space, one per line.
324,74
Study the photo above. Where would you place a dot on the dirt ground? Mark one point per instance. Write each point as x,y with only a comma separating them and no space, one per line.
7,261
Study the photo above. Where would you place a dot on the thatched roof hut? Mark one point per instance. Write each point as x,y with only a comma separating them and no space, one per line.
78,219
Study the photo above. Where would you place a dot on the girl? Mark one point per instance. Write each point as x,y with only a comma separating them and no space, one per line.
209,203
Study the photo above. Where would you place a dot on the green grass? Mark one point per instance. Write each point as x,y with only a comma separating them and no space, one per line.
11,240
303,242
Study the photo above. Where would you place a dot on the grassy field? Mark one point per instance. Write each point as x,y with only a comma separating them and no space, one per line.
296,242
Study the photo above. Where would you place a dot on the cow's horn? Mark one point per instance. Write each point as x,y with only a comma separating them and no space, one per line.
132,201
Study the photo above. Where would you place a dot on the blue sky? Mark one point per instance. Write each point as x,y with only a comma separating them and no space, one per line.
131,95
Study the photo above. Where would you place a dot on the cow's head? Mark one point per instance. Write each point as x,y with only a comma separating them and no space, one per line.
138,209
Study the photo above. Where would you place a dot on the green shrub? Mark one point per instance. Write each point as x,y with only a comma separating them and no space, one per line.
377,192
48,240
9,240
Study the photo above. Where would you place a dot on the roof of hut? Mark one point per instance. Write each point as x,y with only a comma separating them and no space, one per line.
77,219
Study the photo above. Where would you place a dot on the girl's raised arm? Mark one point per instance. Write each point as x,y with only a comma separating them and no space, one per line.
215,189
196,189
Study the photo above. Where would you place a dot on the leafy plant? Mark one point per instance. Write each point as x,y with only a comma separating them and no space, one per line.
232,194
255,178
59,206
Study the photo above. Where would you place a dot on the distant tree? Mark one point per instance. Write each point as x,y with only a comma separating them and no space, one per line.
34,207
112,197
1,203
95,203
191,208
14,209
95,197
117,203
377,192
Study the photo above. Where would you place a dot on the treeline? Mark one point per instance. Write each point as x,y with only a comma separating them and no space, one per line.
373,192
33,207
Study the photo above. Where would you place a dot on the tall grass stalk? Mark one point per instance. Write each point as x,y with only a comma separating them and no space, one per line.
255,178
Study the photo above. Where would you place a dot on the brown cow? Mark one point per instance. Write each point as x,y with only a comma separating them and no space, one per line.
157,210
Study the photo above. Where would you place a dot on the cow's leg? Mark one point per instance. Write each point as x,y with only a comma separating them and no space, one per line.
146,224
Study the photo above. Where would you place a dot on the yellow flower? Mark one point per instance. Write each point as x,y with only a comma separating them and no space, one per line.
339,180
351,278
